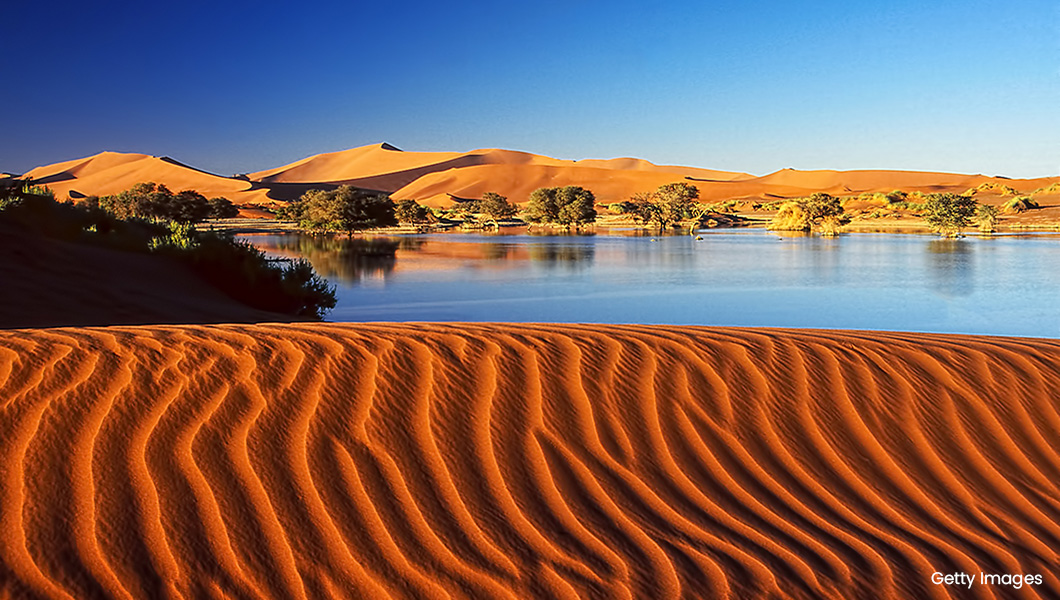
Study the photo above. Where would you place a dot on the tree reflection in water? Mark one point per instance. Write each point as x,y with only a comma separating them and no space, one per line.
951,265
344,259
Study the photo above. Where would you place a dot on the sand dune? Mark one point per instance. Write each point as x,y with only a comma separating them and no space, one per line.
440,178
503,461
113,172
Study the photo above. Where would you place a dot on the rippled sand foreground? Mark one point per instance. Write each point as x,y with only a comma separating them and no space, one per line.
517,461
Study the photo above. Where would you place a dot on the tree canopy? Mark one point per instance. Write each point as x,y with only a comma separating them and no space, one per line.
345,208
948,214
410,211
155,201
495,206
667,205
570,205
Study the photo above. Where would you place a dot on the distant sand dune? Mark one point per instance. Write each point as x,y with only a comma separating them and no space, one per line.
436,178
518,461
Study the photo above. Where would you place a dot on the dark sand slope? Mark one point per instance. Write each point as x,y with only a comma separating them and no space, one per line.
513,461
48,283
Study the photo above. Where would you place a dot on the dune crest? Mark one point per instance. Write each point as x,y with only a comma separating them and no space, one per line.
519,461
436,178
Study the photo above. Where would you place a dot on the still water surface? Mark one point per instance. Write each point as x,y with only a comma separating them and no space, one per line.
1006,285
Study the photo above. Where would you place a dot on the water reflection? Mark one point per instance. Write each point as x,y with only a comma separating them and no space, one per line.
569,255
748,278
951,264
349,260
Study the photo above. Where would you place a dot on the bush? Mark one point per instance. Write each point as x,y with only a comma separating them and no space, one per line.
236,268
244,272
1019,204
820,212
987,218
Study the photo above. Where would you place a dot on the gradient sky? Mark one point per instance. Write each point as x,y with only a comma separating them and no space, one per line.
970,86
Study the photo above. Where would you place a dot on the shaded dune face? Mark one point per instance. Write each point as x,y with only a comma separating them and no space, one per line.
501,461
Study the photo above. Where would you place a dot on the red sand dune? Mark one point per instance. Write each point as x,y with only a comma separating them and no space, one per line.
112,172
438,178
520,461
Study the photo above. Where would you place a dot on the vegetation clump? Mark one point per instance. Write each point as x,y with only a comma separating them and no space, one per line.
1019,204
410,211
987,217
948,214
991,187
495,207
820,212
566,206
235,267
668,205
344,209
155,201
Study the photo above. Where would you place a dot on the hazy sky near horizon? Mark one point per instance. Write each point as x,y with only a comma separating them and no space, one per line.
970,86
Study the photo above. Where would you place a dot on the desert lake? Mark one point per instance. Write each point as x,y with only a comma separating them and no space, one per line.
1000,285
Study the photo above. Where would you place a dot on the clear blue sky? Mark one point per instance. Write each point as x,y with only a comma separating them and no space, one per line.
970,86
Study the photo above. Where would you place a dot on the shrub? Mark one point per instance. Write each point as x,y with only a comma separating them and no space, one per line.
156,201
236,268
242,271
987,217
820,212
1019,204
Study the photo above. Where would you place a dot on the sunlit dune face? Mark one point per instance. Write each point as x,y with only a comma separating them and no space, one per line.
524,461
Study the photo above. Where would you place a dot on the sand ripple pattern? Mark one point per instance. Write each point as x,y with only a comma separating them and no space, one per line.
523,461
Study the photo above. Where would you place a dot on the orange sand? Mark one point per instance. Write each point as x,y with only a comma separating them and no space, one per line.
438,179
520,461
112,172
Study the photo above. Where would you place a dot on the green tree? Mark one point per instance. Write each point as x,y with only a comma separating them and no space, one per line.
222,208
410,211
667,205
495,207
948,214
567,206
345,208
188,206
